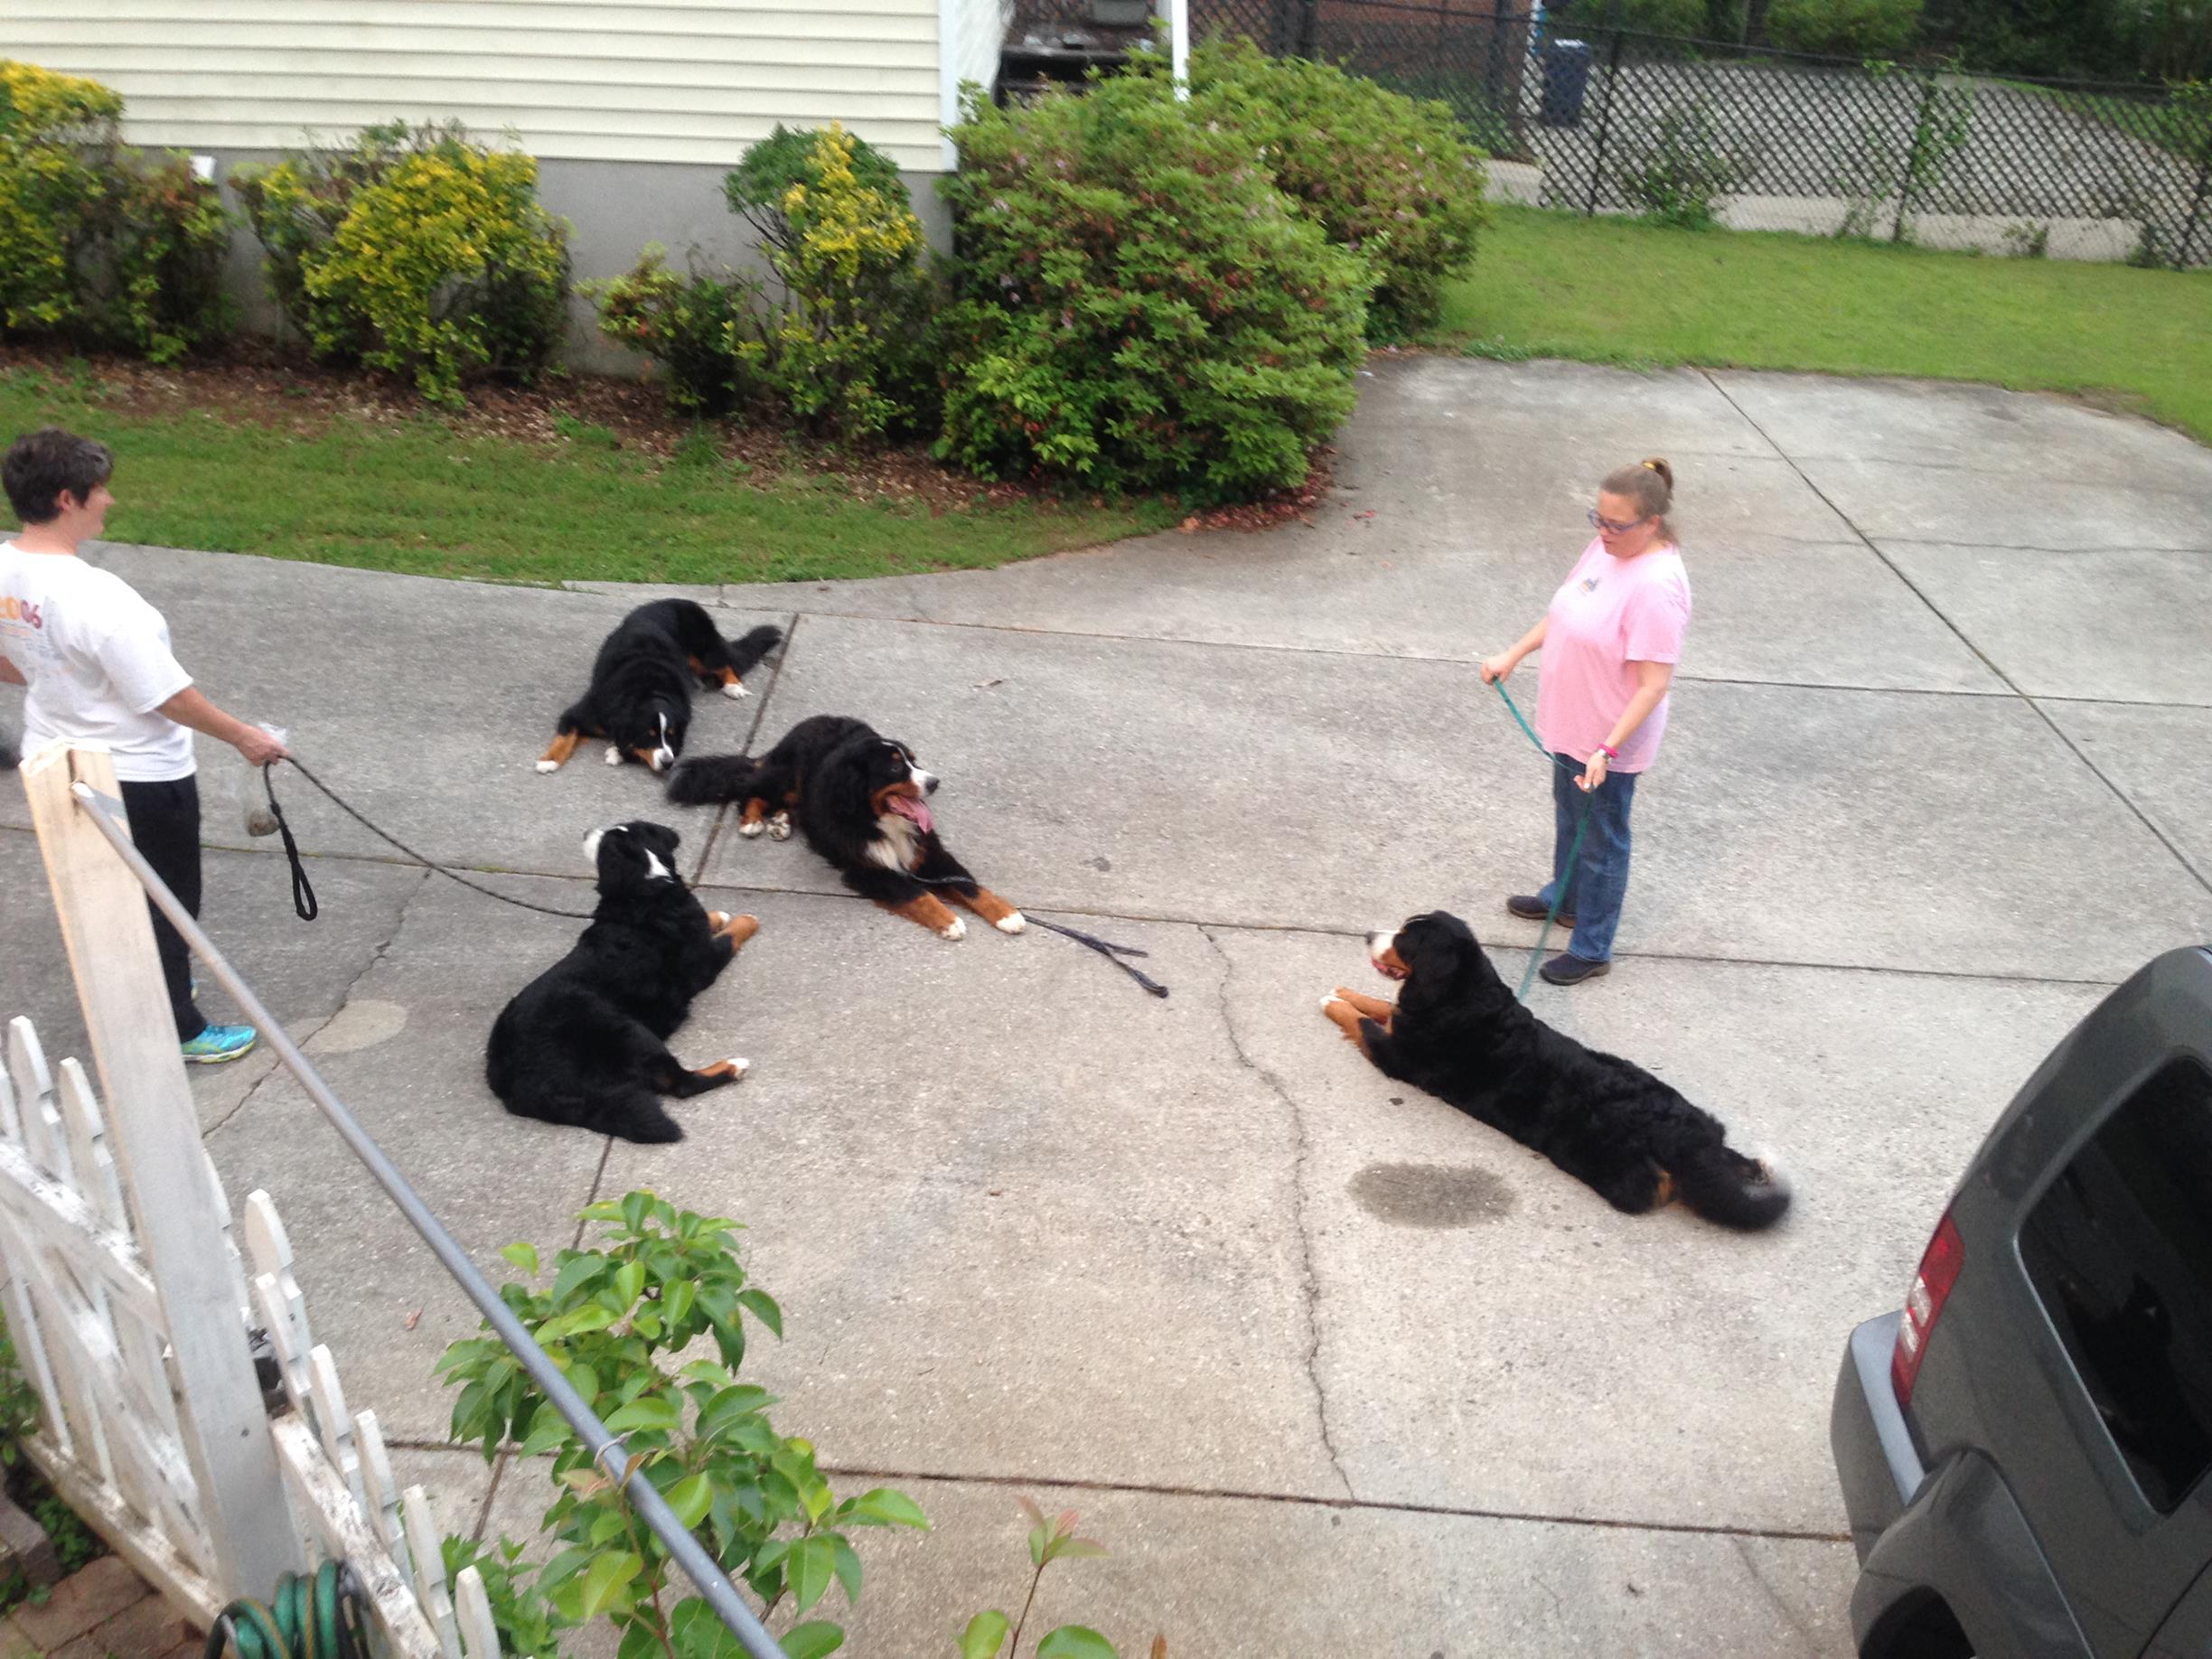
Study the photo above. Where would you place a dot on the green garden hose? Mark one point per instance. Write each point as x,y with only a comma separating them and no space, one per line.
316,1616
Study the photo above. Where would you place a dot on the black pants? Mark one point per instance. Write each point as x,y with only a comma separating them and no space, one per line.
164,823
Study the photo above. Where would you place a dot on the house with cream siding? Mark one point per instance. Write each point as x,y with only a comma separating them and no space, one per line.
634,109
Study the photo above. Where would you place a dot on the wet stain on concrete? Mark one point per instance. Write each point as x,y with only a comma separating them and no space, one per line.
1433,1195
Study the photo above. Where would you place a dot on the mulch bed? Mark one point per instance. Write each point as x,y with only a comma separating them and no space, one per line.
256,383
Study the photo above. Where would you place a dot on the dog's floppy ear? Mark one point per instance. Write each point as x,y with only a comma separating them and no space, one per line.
659,838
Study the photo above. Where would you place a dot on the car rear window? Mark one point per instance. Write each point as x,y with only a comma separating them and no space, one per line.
2120,1250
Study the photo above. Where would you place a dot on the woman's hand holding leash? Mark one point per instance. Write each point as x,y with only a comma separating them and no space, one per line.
1495,668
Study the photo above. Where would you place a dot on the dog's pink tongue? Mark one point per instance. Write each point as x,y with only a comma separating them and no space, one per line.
908,806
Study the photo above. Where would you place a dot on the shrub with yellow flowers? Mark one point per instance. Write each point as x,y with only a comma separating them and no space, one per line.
418,250
101,245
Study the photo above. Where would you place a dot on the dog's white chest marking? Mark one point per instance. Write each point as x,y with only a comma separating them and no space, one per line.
895,845
655,870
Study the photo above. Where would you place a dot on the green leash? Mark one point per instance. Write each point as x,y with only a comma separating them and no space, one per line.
316,1617
1574,849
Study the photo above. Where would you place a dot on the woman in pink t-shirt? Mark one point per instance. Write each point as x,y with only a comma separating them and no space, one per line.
1614,632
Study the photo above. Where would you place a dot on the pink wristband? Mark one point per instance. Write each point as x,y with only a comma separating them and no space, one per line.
1611,752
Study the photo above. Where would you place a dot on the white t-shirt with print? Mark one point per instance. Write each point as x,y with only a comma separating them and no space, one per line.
96,658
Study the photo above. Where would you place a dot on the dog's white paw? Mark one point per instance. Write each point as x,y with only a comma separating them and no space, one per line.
718,919
955,929
738,1065
734,689
1327,1003
1011,925
780,827
751,829
613,756
548,765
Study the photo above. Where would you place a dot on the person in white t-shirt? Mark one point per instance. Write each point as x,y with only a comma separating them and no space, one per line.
95,656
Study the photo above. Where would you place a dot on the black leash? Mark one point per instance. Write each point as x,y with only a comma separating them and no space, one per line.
1112,952
305,904
302,892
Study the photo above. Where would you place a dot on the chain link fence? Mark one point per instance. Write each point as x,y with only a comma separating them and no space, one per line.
1700,132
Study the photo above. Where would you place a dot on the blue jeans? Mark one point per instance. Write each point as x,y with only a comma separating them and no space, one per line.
1601,868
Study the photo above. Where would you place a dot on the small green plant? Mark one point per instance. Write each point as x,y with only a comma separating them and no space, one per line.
987,1635
527,1622
688,325
616,1318
1941,127
847,347
1679,179
74,1542
2028,240
1389,176
19,1402
416,249
1881,178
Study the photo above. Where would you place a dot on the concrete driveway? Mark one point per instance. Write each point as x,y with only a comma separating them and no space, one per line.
1328,1367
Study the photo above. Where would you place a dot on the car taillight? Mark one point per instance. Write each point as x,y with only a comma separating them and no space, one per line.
1939,1270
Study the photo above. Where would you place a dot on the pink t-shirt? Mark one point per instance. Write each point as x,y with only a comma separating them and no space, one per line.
1608,616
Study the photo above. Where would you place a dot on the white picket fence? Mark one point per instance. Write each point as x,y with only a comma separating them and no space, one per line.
130,1306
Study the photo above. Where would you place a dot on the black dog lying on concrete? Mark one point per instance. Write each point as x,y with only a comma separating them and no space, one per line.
584,1043
1456,1031
639,697
862,804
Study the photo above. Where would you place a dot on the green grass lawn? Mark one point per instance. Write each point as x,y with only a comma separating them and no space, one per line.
419,497
1607,290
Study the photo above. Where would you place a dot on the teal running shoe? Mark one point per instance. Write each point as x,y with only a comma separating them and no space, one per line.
217,1043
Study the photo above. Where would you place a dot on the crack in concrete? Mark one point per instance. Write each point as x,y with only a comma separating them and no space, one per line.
1309,1281
345,999
1790,1613
1295,1500
1981,656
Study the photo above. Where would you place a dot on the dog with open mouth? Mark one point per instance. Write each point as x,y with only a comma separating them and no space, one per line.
862,803
585,1043
640,696
1457,1032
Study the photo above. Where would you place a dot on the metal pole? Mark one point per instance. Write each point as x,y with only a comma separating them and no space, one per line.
1605,119
1178,46
713,1583
2196,203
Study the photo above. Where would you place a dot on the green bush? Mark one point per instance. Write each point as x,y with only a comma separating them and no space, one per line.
1137,306
685,323
1386,174
648,1324
418,250
1680,17
1680,175
100,244
1845,28
848,348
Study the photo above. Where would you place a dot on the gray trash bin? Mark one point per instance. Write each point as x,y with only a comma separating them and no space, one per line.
1566,82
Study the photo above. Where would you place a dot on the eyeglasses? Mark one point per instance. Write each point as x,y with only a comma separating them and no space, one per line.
1618,528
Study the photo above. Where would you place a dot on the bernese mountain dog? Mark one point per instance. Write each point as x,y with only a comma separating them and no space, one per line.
639,697
585,1043
1456,1031
862,803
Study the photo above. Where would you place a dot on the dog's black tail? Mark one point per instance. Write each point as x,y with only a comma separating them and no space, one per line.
706,779
746,654
1723,1185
